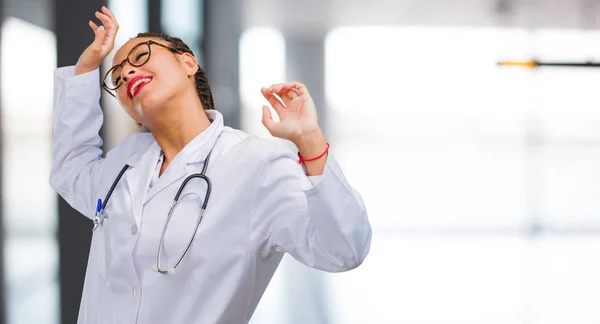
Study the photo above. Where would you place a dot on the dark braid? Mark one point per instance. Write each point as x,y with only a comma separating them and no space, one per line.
202,85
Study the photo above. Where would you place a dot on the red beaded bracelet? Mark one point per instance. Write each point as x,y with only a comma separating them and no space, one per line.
301,159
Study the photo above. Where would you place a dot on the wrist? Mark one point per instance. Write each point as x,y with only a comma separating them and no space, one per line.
82,68
311,144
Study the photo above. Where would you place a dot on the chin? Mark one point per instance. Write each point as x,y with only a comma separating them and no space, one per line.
148,100
149,104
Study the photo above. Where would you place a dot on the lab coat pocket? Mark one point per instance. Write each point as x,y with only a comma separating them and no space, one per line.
96,295
97,262
106,311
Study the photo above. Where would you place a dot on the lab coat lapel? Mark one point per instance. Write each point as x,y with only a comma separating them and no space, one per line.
199,148
175,171
138,179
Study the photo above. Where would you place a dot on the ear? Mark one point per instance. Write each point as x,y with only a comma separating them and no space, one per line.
189,63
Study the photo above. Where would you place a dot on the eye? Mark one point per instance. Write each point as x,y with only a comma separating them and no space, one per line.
116,80
140,55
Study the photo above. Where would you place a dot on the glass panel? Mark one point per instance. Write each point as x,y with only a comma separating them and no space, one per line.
183,19
29,210
262,63
446,140
460,163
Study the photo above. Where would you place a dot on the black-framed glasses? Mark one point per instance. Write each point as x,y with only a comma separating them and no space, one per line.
138,56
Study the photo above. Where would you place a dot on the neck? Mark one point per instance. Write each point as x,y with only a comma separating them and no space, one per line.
180,123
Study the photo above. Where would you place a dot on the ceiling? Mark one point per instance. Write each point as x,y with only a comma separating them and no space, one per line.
314,15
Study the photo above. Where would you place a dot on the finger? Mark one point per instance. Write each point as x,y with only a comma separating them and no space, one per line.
275,88
278,88
291,88
287,97
276,103
100,33
291,91
102,17
111,15
291,95
108,23
272,99
299,87
93,26
286,92
267,119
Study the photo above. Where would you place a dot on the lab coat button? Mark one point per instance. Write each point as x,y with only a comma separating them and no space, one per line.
134,229
134,292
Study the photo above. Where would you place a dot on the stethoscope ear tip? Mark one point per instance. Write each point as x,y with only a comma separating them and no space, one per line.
171,271
154,268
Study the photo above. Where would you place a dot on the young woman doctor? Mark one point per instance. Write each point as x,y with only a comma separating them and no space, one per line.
192,219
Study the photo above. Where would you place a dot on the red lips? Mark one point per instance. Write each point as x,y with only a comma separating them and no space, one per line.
137,90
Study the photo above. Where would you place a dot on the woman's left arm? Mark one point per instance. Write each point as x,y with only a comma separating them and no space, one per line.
320,220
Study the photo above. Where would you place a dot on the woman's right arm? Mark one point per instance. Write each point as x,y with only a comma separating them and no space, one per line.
77,157
77,164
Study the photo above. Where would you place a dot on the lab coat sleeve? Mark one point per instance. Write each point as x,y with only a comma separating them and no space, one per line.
77,156
321,221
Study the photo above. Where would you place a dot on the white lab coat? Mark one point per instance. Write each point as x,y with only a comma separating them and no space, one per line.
262,205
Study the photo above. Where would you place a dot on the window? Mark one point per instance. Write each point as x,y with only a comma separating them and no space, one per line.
29,210
262,63
482,182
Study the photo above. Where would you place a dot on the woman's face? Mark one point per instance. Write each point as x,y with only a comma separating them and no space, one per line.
145,89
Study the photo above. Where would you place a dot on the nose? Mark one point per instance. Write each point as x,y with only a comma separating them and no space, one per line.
127,72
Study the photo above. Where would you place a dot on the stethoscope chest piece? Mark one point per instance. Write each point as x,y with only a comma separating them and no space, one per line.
99,219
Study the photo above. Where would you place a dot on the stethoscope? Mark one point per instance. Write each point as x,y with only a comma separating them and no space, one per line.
101,215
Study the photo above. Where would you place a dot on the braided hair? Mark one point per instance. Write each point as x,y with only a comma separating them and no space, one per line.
202,85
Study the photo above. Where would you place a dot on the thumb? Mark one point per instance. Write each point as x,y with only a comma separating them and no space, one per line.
267,119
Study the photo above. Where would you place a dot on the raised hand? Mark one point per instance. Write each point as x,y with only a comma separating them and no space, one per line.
103,43
298,122
297,114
